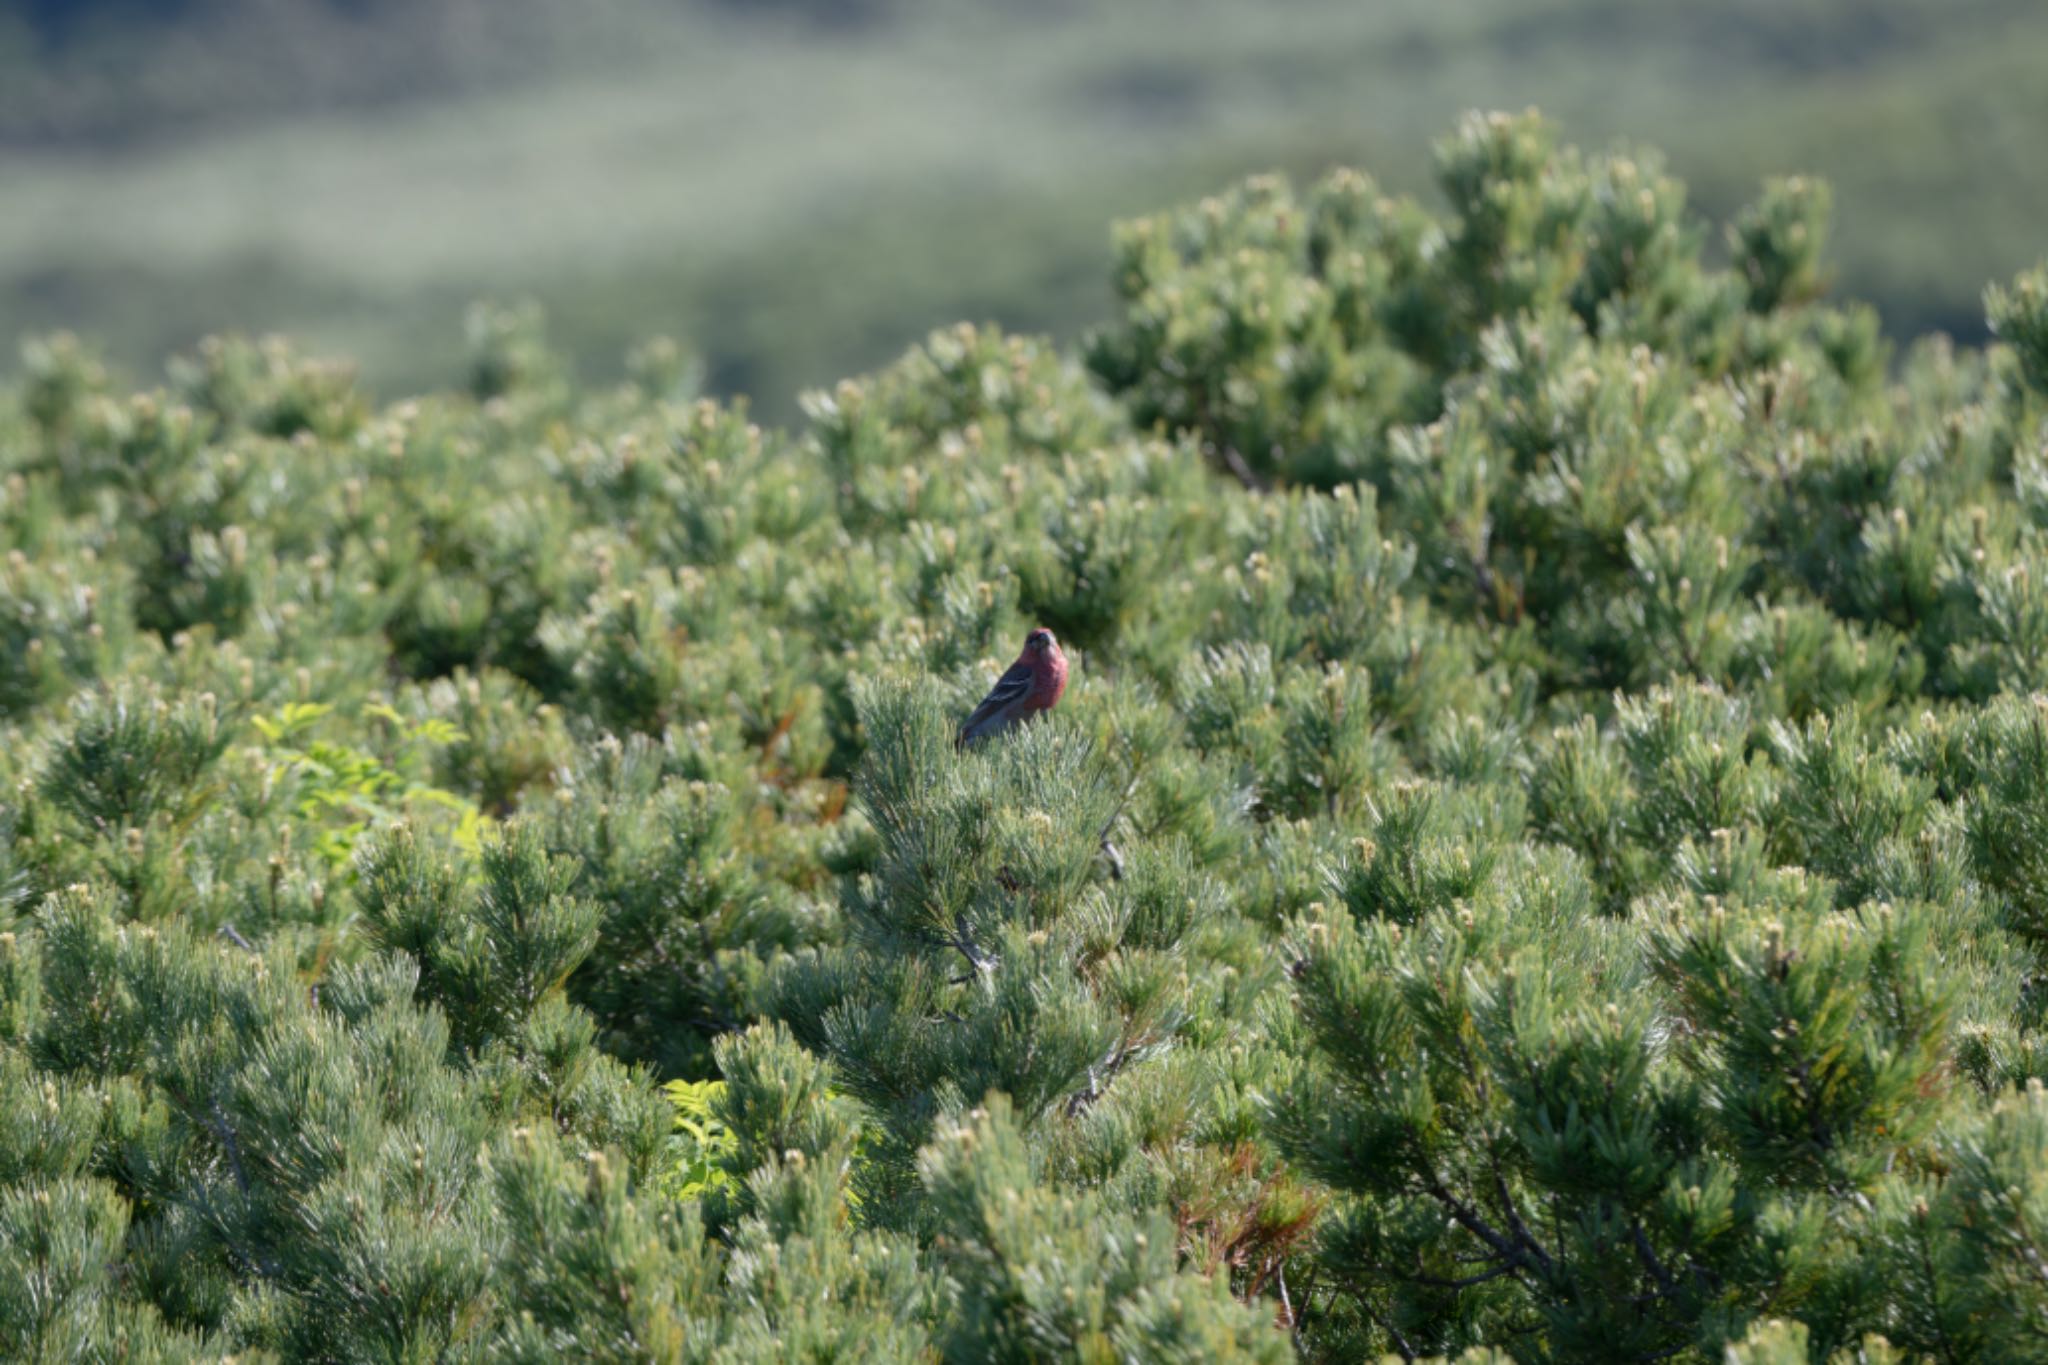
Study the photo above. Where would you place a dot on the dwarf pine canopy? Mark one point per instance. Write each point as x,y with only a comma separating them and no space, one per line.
490,877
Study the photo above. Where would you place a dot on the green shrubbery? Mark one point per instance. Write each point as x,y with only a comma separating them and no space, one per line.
1570,720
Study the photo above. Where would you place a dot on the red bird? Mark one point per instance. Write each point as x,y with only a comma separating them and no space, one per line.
1033,684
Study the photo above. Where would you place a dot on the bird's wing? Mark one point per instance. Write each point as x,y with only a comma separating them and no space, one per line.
1010,689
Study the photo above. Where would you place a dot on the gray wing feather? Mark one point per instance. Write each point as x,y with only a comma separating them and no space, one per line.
1010,689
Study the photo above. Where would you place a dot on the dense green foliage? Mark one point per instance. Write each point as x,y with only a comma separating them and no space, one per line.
491,877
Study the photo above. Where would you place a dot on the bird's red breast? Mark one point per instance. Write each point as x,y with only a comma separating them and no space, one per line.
1049,678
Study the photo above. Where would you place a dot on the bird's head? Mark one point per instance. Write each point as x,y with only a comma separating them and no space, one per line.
1039,641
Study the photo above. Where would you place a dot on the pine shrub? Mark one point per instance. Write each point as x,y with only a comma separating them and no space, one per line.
1543,854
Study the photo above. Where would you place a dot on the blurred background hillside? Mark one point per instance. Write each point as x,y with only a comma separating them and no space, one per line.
799,188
